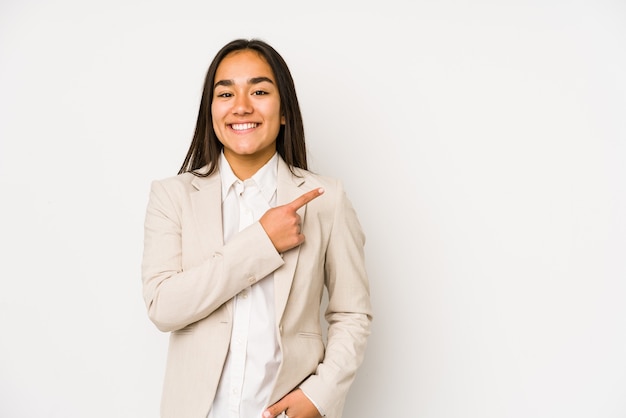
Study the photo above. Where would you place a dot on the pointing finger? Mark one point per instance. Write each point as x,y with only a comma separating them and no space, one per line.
306,198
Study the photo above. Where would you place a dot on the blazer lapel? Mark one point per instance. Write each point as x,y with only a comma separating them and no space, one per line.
206,204
288,188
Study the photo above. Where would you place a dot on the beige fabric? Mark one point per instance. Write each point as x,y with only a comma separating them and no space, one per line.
190,278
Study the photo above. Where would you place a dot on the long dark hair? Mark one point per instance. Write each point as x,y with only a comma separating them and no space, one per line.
205,148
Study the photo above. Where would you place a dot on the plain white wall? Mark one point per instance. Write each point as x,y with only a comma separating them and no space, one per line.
482,143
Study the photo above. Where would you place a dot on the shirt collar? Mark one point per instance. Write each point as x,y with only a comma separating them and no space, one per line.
265,177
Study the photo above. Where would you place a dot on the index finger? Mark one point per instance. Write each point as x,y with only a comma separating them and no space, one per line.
306,198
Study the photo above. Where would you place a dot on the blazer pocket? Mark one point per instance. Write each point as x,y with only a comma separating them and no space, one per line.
312,344
313,335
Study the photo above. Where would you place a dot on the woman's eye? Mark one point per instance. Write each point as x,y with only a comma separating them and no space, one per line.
259,93
224,95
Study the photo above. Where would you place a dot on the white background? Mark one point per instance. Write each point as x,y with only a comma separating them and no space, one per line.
483,144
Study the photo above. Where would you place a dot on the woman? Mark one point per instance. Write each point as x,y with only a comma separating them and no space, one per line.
238,250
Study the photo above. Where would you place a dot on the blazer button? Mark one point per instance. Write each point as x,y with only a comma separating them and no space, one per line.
251,279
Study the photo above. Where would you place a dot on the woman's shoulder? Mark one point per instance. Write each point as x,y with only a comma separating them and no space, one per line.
183,181
178,180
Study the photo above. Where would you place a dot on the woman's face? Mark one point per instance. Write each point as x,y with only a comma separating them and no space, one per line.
246,107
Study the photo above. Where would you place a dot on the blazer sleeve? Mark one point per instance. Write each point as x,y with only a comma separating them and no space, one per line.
177,295
349,311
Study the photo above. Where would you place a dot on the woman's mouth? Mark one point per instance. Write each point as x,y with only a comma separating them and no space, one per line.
243,126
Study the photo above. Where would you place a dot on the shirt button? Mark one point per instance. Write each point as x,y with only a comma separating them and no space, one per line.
244,294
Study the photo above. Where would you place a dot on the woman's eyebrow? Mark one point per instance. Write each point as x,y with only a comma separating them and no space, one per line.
257,80
253,80
225,83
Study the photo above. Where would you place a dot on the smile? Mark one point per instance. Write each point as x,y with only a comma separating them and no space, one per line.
243,126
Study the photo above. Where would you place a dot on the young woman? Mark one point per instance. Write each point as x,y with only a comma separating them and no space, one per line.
239,247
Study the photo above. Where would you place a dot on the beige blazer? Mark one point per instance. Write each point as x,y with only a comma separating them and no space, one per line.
190,278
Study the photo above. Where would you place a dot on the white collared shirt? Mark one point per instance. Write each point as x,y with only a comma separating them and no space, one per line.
254,355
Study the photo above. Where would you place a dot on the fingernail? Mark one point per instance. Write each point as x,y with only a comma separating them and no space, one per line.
320,190
266,414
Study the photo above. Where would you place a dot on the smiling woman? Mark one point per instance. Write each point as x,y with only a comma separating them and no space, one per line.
227,269
246,111
206,146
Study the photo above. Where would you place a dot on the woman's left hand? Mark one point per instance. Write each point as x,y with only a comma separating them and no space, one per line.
295,405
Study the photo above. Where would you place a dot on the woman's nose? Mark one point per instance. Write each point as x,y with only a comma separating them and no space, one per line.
242,105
